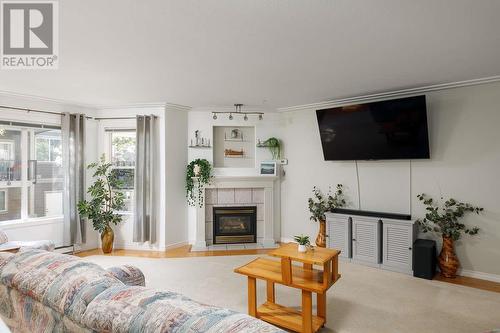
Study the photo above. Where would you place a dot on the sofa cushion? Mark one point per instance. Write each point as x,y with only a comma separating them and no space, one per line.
64,283
139,309
128,274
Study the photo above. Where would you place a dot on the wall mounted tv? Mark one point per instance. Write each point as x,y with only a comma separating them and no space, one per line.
386,130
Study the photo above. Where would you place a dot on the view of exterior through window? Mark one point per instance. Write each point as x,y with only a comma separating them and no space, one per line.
31,174
123,159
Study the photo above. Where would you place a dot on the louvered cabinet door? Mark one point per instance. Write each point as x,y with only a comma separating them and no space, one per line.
339,235
366,241
397,247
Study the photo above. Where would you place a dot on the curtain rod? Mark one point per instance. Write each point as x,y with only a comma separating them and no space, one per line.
130,117
34,110
62,113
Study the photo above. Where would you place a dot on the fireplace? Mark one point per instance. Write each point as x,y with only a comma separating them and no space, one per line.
235,225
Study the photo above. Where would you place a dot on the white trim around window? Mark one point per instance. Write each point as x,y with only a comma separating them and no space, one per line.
4,206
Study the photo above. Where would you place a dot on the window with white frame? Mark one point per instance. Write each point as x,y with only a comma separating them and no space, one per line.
48,147
122,156
31,174
3,200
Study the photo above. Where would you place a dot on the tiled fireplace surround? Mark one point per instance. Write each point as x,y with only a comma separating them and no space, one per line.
259,191
229,197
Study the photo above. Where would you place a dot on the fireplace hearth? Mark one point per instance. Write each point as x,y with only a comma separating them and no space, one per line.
235,225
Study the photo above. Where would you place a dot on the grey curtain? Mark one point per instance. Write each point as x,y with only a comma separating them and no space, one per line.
73,135
145,205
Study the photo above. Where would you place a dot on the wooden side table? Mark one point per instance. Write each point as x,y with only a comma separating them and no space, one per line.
11,249
305,277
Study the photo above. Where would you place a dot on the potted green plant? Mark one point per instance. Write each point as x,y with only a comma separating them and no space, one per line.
303,242
102,208
274,146
198,174
319,204
444,220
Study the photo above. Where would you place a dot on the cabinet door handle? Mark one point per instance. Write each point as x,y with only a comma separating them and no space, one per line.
409,248
353,240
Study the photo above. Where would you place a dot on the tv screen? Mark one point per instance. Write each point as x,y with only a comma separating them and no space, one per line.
394,129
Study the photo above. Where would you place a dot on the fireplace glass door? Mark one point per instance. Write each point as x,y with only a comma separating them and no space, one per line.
235,225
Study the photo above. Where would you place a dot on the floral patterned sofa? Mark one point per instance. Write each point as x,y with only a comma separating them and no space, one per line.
46,245
44,291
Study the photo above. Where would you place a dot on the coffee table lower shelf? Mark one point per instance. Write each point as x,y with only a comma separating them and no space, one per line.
286,317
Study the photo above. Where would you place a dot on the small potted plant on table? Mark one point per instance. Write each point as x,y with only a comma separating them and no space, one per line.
303,241
445,220
319,204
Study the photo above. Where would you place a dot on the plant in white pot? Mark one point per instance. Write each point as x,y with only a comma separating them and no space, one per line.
303,242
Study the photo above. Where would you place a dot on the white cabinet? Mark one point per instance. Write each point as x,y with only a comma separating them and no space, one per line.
339,234
371,240
366,245
398,238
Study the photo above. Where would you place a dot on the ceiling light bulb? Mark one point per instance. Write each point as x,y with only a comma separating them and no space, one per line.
230,116
215,116
245,118
260,117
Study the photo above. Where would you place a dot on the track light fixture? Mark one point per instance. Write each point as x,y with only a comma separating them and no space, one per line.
237,111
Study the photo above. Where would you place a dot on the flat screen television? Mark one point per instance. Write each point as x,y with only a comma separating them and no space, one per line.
386,130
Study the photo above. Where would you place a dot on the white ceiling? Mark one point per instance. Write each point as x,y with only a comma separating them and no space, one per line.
268,54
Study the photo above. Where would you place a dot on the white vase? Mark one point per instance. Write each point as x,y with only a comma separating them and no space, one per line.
302,248
196,170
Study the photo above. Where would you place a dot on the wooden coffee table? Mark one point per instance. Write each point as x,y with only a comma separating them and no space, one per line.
305,277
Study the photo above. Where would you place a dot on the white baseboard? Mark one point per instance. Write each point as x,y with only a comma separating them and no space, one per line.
176,245
479,275
287,240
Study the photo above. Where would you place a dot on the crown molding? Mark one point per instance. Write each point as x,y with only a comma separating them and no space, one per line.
153,105
390,94
229,109
36,98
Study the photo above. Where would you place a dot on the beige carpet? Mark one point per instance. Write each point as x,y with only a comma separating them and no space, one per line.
364,300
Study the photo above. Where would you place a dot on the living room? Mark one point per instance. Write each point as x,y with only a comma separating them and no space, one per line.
162,162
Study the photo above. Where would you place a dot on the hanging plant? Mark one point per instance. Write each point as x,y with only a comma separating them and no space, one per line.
202,170
274,146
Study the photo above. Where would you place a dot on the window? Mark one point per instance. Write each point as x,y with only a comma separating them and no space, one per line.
31,174
3,201
48,147
122,143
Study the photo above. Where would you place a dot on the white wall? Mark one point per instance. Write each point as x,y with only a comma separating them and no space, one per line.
51,228
176,155
464,164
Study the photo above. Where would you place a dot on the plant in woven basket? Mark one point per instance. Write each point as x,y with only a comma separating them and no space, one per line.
201,171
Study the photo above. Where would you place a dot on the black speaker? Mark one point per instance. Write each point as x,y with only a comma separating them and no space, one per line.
424,258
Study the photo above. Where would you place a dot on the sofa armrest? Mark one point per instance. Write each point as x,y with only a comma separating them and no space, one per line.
3,237
129,275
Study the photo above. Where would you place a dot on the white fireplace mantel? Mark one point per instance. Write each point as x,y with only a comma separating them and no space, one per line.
270,185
